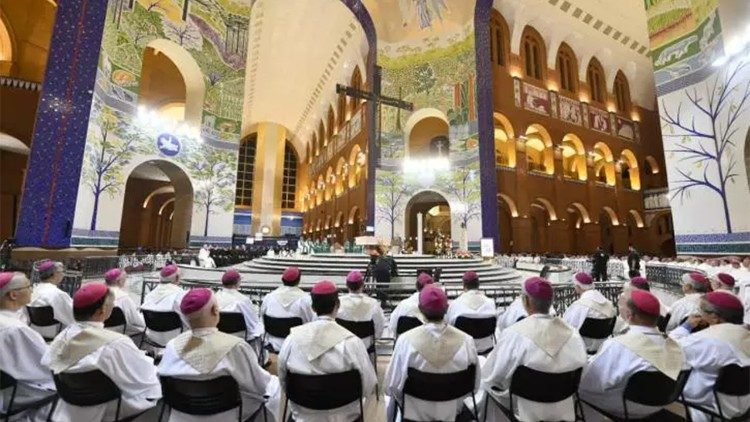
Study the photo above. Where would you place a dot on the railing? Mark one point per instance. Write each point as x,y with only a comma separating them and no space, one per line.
668,277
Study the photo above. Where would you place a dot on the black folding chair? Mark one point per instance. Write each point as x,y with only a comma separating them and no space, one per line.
324,392
160,322
43,316
363,330
92,388
117,319
7,381
649,388
439,387
203,397
406,323
597,329
478,328
662,322
232,323
279,327
733,380
526,383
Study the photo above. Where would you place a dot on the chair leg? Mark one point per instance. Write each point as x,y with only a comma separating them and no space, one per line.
117,412
474,402
283,418
52,410
161,412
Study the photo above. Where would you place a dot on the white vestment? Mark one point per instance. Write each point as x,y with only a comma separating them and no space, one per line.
360,307
412,351
318,348
235,358
165,297
286,302
683,308
407,307
707,351
605,378
133,317
513,313
591,304
473,304
540,342
21,351
130,369
47,294
743,281
231,300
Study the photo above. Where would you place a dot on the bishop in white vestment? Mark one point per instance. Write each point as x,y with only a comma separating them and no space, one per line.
472,303
725,342
435,347
724,282
357,306
641,348
231,300
117,280
409,306
87,346
694,285
324,347
287,301
166,297
590,304
206,353
47,293
22,349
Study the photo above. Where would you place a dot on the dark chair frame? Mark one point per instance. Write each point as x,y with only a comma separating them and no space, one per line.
363,330
442,387
311,391
232,322
478,328
116,319
279,327
165,321
597,329
7,381
406,323
223,391
43,316
733,380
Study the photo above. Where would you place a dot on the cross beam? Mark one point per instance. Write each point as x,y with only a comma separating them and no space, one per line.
370,96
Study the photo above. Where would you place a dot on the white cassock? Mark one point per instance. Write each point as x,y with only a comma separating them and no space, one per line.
707,351
324,347
743,281
540,342
286,302
683,308
591,304
206,353
407,307
47,294
22,350
231,300
165,297
133,317
360,307
639,349
473,304
87,346
513,313
435,348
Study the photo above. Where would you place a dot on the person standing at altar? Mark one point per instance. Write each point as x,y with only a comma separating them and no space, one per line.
117,280
590,304
410,306
48,293
230,299
165,297
287,301
357,306
472,303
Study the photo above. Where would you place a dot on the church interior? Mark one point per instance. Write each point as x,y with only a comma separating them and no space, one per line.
463,165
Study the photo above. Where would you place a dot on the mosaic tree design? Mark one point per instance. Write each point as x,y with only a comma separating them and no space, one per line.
212,170
706,153
463,183
391,194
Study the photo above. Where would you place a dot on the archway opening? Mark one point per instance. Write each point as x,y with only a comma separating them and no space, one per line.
539,154
428,137
576,216
505,145
157,207
631,177
436,220
506,212
162,88
573,158
607,236
603,164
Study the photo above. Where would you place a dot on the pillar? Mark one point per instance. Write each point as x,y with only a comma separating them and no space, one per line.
620,238
268,178
420,233
592,235
558,237
521,234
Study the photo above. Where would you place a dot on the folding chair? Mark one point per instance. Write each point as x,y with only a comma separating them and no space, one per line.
526,383
279,327
324,392
406,323
478,328
733,380
232,323
43,316
363,330
597,329
7,381
203,397
662,322
160,322
117,319
441,387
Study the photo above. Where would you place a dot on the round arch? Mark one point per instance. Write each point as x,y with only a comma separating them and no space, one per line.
548,207
355,169
637,218
7,46
612,215
510,203
339,221
436,210
603,163
505,145
653,164
573,157
422,126
629,167
329,183
320,189
341,172
539,152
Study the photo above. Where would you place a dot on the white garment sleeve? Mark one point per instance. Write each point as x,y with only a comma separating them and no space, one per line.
395,376
130,368
503,361
378,318
576,315
62,305
679,333
133,317
361,361
605,371
283,358
308,315
252,322
244,368
395,315
23,349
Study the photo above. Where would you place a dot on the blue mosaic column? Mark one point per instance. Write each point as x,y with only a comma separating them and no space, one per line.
54,169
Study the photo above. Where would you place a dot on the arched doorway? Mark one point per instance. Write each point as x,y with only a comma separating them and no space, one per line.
157,208
436,220
577,216
607,219
506,212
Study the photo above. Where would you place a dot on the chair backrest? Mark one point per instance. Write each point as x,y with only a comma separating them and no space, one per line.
231,322
117,318
205,397
477,327
441,387
733,380
653,388
597,328
42,316
406,323
361,329
7,381
662,322
162,321
324,392
86,388
280,327
526,383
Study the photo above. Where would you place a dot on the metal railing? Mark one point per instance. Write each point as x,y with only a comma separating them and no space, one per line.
668,277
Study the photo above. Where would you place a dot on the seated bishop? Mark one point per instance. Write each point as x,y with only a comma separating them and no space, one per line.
231,300
724,282
324,347
22,349
472,303
206,353
435,347
166,297
410,306
287,301
515,312
641,348
725,342
86,346
590,304
694,286
357,306
47,293
117,280
541,342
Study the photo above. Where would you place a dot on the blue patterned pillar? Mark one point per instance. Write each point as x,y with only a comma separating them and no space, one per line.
54,170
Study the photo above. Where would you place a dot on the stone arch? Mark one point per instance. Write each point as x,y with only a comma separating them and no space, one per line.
629,163
548,207
539,150
329,180
654,165
586,217
573,157
612,215
425,201
603,163
637,218
505,143
422,126
510,203
339,221
341,172
355,169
